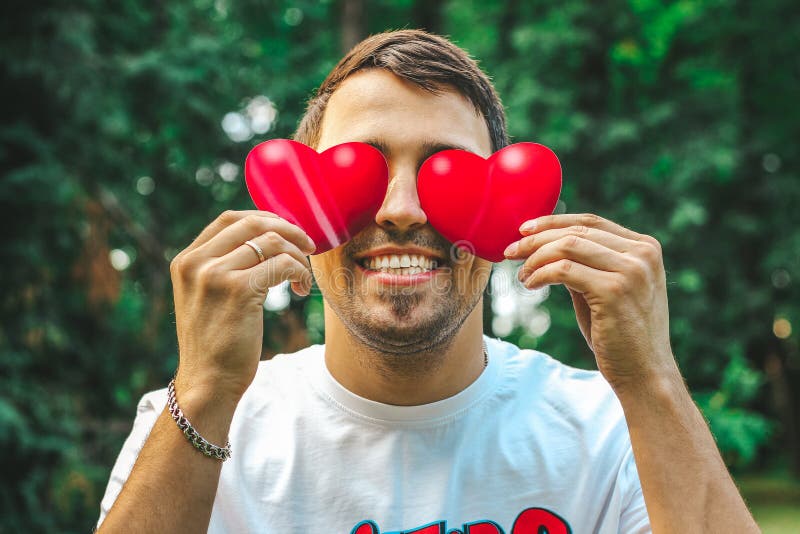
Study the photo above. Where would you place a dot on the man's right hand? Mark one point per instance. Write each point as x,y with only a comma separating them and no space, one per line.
220,286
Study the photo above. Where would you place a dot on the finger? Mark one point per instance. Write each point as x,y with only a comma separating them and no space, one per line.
251,226
589,220
300,289
530,243
276,270
305,287
271,244
575,276
579,250
225,219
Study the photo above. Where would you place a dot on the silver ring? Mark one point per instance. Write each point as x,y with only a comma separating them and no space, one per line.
256,249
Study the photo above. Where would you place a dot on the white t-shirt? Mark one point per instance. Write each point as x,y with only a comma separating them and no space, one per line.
531,443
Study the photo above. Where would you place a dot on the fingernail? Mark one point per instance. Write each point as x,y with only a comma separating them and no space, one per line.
511,249
528,226
311,246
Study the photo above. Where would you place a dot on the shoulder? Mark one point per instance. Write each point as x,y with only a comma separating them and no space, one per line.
281,374
284,376
564,395
287,365
535,367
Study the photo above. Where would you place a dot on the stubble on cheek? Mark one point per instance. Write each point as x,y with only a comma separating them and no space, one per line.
401,319
404,319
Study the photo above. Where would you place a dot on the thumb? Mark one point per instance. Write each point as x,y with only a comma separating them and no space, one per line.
584,315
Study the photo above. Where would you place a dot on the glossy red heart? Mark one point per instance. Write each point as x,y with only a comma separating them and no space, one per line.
479,203
332,196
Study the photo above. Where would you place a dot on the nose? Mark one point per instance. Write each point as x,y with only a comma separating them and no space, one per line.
401,209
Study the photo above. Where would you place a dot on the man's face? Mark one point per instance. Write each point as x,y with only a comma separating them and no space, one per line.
392,308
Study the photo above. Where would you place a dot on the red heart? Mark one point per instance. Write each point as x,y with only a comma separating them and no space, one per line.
332,196
479,204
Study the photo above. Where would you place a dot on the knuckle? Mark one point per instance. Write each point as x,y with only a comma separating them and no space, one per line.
228,217
651,255
530,277
580,230
570,242
209,273
182,265
255,222
589,219
273,239
650,251
283,261
639,271
289,267
617,287
655,245
651,240
176,265
525,271
526,244
565,265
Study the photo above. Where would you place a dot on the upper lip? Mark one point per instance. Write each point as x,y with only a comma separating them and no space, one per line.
390,249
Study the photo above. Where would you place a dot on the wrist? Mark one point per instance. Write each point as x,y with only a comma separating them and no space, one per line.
212,450
204,398
654,385
208,388
209,409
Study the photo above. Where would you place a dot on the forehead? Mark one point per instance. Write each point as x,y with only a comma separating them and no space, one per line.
376,104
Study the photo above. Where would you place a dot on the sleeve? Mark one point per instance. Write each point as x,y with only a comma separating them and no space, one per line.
633,516
149,408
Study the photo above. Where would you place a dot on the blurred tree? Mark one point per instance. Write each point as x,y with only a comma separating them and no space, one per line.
124,129
352,23
675,119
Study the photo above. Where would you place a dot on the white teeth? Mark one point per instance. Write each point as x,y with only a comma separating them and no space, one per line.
407,264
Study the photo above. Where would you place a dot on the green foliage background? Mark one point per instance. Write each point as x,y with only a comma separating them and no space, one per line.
677,119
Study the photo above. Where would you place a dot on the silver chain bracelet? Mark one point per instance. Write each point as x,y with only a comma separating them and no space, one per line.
199,442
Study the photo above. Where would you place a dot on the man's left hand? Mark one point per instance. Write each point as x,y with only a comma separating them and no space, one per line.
618,286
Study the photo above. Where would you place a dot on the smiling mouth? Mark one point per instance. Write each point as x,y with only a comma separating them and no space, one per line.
401,264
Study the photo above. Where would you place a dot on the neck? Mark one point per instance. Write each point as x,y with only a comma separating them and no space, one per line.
409,379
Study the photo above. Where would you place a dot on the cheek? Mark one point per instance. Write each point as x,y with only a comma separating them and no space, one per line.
483,276
320,267
471,275
479,273
331,276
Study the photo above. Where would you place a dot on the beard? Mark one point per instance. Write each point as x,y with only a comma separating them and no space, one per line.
400,322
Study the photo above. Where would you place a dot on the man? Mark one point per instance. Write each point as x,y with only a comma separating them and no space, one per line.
407,419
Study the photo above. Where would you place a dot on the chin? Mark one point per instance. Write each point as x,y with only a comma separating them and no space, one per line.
389,320
399,310
386,326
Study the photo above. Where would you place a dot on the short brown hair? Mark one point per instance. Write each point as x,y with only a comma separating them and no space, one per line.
429,61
